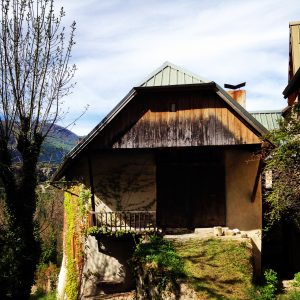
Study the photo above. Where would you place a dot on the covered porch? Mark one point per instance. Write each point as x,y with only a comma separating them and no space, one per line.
177,188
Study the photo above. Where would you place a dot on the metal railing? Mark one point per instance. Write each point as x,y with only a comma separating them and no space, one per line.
138,221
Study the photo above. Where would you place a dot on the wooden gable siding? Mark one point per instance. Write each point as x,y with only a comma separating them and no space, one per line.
198,120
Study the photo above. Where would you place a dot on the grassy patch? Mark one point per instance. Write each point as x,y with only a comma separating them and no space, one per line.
291,295
215,268
158,266
40,295
159,254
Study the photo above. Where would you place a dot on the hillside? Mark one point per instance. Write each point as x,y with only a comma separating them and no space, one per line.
57,144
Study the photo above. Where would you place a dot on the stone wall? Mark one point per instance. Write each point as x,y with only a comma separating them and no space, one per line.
106,268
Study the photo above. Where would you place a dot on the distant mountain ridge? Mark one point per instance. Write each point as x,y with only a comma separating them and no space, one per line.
57,144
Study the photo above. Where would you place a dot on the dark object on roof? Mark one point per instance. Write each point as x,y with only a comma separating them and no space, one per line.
234,87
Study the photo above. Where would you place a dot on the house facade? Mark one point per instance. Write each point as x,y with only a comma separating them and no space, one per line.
292,90
178,152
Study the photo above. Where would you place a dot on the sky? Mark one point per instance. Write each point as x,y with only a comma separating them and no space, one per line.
119,43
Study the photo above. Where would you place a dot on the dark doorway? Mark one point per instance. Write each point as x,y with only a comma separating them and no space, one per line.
190,189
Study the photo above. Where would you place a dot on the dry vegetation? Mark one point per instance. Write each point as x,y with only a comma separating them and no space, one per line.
217,269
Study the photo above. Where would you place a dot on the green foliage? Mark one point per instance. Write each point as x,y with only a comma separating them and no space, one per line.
290,295
76,204
283,200
269,289
49,250
217,268
297,279
159,260
83,200
159,252
57,144
41,295
46,277
72,275
105,230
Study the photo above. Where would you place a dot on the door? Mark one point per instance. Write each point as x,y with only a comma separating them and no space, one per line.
191,190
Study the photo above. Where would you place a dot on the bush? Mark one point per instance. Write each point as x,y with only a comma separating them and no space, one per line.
40,295
297,279
46,277
159,266
161,254
269,289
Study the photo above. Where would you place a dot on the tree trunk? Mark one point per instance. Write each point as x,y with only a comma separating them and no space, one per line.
23,248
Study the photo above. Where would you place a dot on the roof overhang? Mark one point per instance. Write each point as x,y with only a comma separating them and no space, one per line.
293,85
210,86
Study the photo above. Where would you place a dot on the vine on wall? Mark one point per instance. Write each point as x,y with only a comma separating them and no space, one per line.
76,206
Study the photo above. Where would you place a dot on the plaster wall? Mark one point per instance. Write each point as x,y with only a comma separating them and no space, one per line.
125,182
122,180
240,173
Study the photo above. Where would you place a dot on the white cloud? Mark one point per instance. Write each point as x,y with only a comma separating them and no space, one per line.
120,42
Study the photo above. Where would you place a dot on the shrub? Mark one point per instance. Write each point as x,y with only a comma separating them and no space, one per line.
46,277
159,265
269,289
161,253
297,279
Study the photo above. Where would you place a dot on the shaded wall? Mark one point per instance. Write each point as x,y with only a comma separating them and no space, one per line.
122,180
240,172
125,181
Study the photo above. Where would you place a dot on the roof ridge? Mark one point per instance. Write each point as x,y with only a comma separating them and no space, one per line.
180,69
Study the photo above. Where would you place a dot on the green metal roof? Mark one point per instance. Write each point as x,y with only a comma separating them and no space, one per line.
170,74
268,118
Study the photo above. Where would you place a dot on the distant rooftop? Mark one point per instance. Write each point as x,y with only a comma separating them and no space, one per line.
268,118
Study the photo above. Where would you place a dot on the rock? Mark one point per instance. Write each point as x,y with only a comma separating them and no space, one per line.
229,232
218,231
236,231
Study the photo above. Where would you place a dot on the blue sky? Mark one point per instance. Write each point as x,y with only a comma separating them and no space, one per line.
118,43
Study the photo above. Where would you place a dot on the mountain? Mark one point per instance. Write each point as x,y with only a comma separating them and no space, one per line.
57,144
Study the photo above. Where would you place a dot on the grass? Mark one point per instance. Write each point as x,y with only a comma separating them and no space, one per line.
39,295
217,269
291,295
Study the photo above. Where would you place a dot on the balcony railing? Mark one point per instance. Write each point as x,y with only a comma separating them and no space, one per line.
138,221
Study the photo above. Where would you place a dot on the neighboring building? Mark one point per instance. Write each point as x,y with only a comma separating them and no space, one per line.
176,152
292,90
270,119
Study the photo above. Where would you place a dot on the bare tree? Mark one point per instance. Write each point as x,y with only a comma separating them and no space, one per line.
34,77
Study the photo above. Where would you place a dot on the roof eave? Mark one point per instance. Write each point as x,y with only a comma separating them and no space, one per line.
83,143
209,85
292,85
